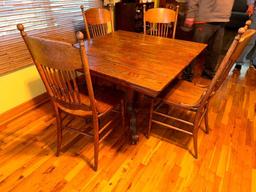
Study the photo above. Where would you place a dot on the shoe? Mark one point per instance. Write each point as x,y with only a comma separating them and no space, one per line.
238,67
208,75
252,64
187,77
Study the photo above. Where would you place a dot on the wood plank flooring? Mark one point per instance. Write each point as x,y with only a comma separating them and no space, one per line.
227,155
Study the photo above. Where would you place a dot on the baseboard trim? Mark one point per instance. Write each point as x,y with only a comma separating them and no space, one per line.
23,108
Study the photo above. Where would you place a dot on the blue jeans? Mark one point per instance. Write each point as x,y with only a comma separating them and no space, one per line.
249,52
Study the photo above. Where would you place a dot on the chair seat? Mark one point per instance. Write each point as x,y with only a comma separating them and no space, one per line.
105,98
184,93
189,97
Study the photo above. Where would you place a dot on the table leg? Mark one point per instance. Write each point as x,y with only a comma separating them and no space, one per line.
132,114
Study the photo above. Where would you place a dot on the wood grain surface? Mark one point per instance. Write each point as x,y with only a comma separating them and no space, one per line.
145,63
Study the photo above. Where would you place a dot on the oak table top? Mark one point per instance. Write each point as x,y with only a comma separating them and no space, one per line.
144,63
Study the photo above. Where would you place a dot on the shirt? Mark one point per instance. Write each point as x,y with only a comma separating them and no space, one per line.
250,2
210,10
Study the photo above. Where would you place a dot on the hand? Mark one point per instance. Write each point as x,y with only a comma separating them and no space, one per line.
250,10
189,22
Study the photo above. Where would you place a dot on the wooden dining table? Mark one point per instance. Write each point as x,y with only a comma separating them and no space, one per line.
142,63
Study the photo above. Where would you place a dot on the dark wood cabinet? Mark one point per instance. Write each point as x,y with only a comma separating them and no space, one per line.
129,16
167,3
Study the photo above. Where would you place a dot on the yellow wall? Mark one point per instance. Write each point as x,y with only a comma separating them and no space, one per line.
19,87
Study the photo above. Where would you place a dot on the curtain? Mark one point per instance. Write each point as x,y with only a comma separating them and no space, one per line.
55,19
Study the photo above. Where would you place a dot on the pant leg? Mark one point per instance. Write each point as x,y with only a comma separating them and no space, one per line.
213,36
202,34
250,49
244,56
252,54
214,49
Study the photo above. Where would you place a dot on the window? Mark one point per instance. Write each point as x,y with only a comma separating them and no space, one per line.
58,19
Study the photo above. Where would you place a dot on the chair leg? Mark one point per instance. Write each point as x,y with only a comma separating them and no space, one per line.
59,131
195,133
195,145
150,118
122,108
206,120
96,154
96,142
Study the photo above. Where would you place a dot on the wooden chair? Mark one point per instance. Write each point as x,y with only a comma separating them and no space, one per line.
188,98
161,21
97,20
59,65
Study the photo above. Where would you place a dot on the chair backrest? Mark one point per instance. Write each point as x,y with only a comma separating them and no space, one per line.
243,41
97,20
58,64
161,21
235,49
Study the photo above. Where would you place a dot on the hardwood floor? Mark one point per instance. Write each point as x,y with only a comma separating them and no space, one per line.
226,162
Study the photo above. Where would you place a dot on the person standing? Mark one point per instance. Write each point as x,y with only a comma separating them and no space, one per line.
250,51
209,18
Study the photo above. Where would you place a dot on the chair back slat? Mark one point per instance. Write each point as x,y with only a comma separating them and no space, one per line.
235,49
50,53
160,21
96,21
159,29
59,64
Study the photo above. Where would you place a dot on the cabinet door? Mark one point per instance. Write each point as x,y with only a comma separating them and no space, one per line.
140,14
124,15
